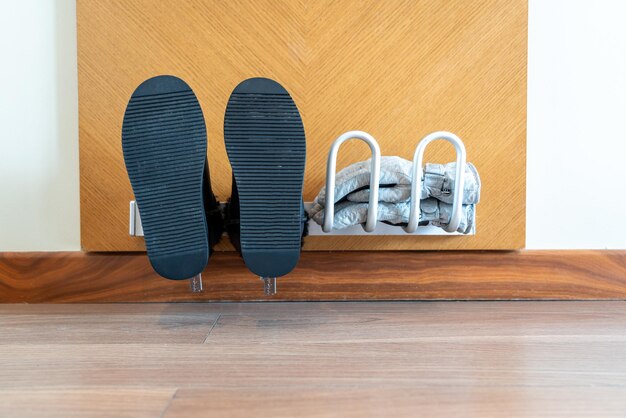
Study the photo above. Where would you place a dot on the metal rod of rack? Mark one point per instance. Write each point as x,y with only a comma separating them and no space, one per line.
418,174
331,169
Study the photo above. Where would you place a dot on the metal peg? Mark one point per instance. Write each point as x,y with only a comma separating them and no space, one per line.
269,285
195,284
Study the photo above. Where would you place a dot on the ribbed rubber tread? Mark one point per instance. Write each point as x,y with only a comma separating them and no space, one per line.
164,143
267,150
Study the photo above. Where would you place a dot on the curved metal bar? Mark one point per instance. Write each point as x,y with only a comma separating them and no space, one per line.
418,174
331,168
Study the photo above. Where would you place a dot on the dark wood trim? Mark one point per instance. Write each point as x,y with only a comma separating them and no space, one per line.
465,275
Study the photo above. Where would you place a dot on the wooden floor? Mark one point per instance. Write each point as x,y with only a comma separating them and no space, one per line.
403,359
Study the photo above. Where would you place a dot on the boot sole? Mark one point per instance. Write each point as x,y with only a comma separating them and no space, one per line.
266,147
164,142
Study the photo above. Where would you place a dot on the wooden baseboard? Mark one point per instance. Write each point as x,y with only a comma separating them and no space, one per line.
106,277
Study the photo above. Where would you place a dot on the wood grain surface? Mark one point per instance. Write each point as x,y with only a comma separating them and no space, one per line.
374,359
429,401
398,69
133,323
104,277
68,402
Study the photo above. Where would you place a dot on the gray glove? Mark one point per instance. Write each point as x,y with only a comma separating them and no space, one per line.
438,183
352,192
395,175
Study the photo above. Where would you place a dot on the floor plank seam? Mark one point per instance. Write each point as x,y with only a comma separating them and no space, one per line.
211,329
169,403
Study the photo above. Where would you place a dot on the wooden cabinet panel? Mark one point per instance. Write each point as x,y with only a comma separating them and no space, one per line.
396,69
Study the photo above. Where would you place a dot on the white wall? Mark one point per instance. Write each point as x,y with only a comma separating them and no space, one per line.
39,204
576,170
576,105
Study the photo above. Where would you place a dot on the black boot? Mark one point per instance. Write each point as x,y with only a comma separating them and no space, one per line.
164,142
266,147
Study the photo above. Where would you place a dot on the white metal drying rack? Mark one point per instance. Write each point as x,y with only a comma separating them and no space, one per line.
371,226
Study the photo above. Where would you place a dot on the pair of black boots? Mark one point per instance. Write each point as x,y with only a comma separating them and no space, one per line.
164,141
